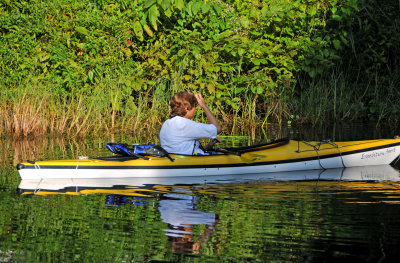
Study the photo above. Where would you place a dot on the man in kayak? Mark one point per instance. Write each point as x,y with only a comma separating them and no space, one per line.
180,134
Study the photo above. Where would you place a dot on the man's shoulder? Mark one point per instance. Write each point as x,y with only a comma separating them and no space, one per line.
185,123
181,120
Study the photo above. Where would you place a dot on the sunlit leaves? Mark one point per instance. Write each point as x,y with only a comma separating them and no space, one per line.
179,4
165,4
148,30
196,7
137,28
227,49
149,3
82,30
153,16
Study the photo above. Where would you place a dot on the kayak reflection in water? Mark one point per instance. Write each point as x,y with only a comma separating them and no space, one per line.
180,134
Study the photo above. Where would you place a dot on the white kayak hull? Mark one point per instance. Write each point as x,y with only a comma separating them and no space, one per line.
365,173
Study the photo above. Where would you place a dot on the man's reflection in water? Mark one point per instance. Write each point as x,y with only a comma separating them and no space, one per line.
178,210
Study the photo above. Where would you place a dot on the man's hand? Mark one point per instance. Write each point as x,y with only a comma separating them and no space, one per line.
211,144
200,100
211,118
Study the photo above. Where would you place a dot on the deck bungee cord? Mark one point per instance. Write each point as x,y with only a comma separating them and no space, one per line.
37,189
317,147
138,151
36,167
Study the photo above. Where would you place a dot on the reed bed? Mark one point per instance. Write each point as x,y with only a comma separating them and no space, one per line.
37,110
340,96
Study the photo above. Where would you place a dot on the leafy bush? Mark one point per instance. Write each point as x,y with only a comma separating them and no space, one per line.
245,56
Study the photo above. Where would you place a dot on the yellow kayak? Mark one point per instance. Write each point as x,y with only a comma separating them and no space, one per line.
276,156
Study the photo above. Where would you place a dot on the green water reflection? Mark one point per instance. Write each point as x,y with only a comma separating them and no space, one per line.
256,220
308,217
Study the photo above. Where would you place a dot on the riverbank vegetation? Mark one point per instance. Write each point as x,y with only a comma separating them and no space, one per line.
102,66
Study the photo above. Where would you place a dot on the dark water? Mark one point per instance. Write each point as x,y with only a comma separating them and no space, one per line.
313,216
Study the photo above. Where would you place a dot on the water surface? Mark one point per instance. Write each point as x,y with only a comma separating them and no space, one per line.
310,216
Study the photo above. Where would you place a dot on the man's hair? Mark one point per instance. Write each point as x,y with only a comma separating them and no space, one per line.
182,102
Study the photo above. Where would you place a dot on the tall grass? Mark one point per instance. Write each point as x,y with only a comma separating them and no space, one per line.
35,108
331,97
339,96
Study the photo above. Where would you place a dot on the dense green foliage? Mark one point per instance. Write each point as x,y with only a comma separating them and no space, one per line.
107,63
364,82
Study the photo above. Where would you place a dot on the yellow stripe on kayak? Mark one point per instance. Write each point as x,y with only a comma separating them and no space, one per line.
292,150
